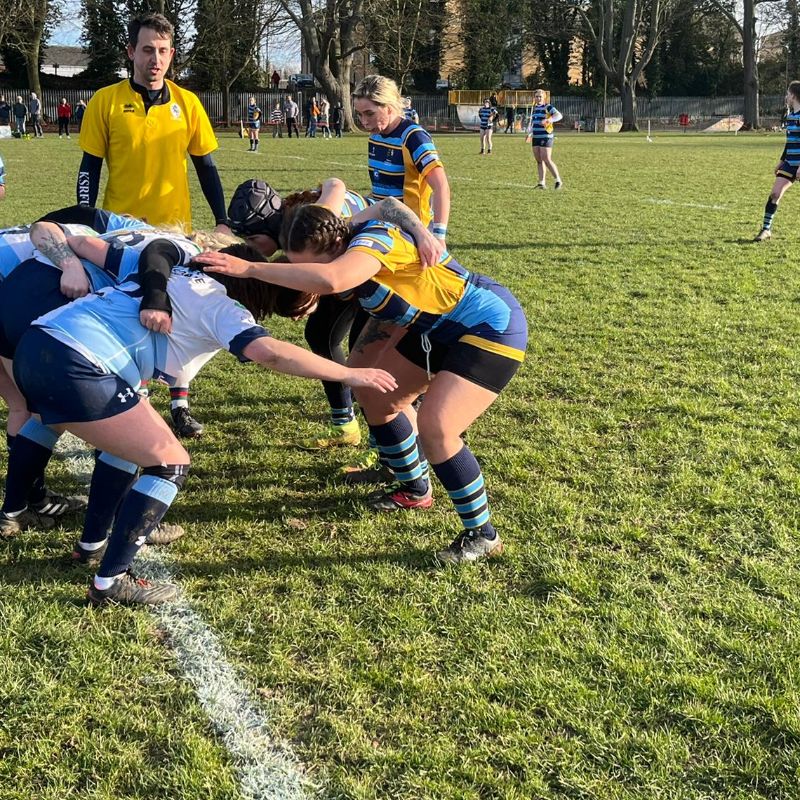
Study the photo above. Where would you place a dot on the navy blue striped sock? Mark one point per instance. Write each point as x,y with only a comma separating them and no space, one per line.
142,509
27,460
769,213
462,477
111,481
397,444
341,416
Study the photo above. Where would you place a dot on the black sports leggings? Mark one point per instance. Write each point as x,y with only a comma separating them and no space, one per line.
326,330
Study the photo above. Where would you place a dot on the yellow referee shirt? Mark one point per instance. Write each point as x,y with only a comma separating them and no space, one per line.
145,153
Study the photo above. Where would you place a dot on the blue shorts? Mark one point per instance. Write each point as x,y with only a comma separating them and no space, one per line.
31,290
254,126
63,386
542,141
787,170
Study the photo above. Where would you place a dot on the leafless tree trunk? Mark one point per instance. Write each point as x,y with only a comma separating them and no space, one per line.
26,36
636,38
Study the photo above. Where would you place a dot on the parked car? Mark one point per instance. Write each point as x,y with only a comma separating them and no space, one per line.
303,80
442,83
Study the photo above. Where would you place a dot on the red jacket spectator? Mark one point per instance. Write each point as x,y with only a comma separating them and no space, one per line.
64,116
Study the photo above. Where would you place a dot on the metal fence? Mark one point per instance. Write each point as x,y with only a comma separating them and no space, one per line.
437,114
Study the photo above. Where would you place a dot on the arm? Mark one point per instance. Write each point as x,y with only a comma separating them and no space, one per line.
555,115
343,273
51,242
155,265
332,195
89,179
211,185
437,180
392,210
293,360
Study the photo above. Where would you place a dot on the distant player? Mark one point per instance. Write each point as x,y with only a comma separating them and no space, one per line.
487,114
409,112
253,123
2,179
276,120
143,128
786,171
540,134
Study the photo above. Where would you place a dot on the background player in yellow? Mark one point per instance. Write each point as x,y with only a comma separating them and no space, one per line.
143,128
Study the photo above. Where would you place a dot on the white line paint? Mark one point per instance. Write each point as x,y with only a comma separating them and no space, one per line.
662,201
267,769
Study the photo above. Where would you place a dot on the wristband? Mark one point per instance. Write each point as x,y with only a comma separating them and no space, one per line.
439,230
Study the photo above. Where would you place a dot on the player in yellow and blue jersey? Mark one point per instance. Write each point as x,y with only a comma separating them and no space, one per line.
540,134
465,338
403,160
786,171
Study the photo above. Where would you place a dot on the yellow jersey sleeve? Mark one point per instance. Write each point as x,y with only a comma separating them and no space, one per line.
94,128
386,245
202,140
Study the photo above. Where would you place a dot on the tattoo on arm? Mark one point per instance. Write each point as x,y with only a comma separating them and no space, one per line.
372,332
57,251
402,216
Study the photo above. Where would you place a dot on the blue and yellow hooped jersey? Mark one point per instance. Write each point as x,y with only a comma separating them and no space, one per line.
399,162
791,152
540,125
353,203
445,302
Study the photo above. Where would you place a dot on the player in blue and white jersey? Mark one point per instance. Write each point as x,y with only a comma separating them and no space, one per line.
2,179
80,368
540,134
403,160
253,123
409,112
786,171
465,338
487,114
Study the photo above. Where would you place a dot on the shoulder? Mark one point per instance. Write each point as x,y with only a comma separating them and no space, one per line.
183,96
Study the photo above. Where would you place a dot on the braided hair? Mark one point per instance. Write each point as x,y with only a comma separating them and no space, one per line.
313,227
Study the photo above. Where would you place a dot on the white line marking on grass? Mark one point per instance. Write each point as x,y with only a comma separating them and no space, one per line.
268,770
658,201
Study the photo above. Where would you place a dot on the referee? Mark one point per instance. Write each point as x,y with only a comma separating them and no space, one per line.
143,128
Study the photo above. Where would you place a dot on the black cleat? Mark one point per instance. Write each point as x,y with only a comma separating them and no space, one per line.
469,546
88,558
164,533
128,590
11,526
54,505
184,423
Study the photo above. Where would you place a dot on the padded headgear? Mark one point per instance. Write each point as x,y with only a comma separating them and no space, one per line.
256,208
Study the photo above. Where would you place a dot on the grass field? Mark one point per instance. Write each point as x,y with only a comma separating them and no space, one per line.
641,636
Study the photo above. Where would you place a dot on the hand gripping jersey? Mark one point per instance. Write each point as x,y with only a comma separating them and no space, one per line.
105,329
444,302
399,162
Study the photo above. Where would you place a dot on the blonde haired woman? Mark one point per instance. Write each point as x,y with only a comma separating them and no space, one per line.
540,134
403,160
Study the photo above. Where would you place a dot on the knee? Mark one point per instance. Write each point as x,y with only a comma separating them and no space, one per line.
775,197
378,407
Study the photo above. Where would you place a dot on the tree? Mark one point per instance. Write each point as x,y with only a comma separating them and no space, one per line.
104,39
28,35
625,46
332,32
400,34
792,39
743,18
10,13
552,27
226,43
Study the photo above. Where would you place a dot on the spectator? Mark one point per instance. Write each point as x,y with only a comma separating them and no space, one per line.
336,119
20,116
276,79
323,118
5,111
291,110
311,116
509,119
64,116
80,110
276,120
35,108
2,178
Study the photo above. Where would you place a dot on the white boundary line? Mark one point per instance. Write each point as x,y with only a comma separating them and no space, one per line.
658,201
267,769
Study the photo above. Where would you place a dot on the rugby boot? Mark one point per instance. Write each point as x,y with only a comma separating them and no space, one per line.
128,590
400,499
763,235
470,546
184,424
347,435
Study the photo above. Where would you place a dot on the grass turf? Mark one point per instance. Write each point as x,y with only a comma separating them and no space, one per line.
639,639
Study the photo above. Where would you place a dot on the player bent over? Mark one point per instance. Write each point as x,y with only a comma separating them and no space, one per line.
786,171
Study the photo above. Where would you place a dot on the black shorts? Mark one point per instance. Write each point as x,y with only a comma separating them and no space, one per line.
490,370
31,290
787,170
61,385
542,141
